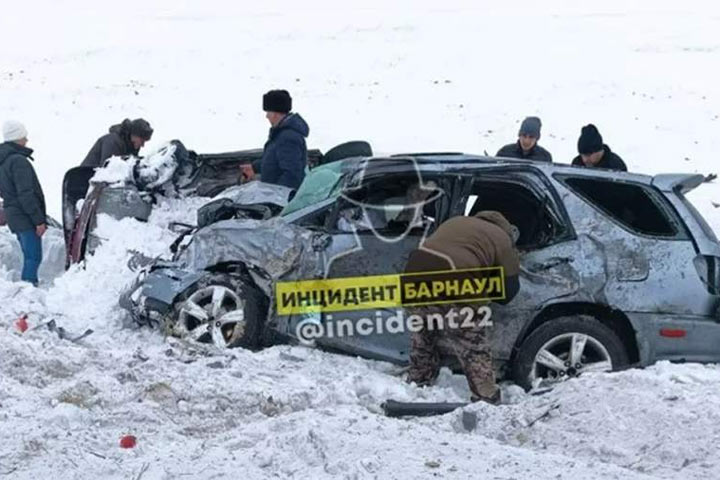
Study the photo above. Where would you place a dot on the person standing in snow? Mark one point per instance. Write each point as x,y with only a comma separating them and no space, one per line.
527,147
23,198
594,153
126,138
486,239
285,154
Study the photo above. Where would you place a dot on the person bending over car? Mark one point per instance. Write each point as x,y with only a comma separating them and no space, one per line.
126,138
484,240
285,154
23,198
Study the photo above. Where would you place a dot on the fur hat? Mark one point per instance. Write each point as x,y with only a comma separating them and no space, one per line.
277,101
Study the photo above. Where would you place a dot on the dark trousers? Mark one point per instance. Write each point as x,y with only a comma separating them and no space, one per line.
31,245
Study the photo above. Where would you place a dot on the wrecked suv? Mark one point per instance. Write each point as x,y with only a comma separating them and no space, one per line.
617,269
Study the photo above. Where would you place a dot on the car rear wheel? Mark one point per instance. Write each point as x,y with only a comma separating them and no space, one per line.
220,310
565,348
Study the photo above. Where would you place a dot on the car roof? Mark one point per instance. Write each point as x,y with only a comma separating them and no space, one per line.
460,162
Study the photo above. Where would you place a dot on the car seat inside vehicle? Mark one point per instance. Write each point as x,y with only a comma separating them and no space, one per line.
520,206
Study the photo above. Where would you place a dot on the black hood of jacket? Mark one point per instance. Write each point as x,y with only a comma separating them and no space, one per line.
11,148
122,129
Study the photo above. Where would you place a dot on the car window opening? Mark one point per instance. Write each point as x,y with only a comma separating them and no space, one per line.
390,205
630,205
521,206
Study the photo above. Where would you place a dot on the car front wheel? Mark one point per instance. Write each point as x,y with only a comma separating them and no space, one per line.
220,310
565,348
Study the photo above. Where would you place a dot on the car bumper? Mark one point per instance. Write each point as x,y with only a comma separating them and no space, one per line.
150,298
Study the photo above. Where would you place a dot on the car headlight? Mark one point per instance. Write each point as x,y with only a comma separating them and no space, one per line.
135,296
138,285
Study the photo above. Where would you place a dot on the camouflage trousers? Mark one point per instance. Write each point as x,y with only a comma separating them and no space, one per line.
471,347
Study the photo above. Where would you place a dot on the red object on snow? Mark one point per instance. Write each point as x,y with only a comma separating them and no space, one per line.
128,441
21,324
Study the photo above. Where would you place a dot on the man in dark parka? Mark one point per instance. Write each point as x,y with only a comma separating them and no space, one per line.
23,198
126,138
285,154
594,153
527,147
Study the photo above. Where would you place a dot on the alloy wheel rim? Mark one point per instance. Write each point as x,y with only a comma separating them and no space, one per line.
569,355
213,314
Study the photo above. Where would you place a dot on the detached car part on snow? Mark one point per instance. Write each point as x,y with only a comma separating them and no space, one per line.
617,268
178,171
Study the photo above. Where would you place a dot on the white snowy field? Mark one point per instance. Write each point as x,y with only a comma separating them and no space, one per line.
407,76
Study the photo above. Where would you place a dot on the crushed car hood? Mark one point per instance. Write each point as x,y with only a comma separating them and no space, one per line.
273,246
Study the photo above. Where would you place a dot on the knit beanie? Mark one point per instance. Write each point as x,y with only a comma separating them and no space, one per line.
531,127
590,140
13,131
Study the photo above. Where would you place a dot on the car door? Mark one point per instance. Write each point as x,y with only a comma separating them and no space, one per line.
554,263
372,241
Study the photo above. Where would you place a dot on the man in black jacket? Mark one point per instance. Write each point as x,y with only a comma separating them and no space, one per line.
23,198
594,153
526,147
126,138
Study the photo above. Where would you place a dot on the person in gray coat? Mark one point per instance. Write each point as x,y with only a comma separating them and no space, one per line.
126,138
527,147
23,198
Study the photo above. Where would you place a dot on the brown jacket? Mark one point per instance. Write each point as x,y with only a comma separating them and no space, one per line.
484,240
470,242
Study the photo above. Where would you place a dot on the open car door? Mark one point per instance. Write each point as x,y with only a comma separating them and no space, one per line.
75,187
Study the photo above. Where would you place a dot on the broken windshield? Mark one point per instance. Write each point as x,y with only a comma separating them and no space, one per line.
321,183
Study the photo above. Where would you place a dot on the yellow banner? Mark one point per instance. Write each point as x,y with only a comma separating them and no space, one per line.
387,291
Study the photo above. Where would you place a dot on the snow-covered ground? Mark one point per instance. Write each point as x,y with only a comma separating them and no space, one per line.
407,76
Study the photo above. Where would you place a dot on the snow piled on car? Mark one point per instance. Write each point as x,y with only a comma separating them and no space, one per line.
158,168
149,171
116,172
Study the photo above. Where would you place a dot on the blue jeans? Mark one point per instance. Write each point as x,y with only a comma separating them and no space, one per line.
31,245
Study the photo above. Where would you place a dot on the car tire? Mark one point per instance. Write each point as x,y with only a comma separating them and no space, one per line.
545,355
236,320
